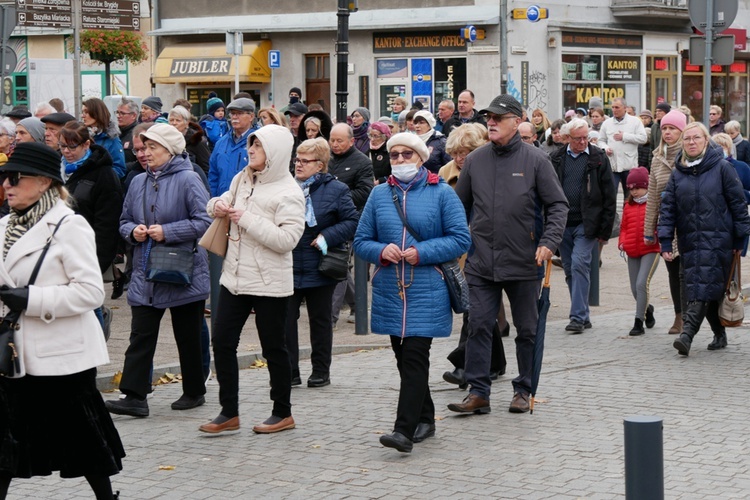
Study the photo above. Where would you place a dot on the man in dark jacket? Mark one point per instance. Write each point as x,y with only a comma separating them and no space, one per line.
464,114
127,119
506,185
352,167
586,177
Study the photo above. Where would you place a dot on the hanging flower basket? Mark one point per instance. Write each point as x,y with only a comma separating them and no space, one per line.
113,45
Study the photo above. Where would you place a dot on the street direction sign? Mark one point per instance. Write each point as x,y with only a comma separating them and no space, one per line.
130,7
45,19
106,21
48,5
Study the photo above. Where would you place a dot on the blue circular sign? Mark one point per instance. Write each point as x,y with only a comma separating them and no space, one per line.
420,77
470,33
533,13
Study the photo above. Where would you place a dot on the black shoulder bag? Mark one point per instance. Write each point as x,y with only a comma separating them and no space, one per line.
9,362
458,288
166,264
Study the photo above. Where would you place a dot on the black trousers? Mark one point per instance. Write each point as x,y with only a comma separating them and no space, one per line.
414,401
144,332
231,313
318,301
497,362
677,285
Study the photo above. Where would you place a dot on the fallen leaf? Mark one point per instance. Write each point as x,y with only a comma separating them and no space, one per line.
116,378
540,400
259,363
168,378
364,470
315,446
166,467
439,418
379,432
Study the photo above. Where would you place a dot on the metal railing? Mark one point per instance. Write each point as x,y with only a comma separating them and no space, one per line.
679,4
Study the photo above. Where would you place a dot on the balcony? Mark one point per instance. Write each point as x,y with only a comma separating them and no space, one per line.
646,11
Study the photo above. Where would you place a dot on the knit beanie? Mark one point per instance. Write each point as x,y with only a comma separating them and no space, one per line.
411,141
675,118
426,116
34,127
664,107
214,104
382,128
638,178
363,113
152,102
596,102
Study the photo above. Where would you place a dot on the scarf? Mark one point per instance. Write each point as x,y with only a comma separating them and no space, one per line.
667,154
641,200
426,136
20,223
691,161
309,212
72,167
737,140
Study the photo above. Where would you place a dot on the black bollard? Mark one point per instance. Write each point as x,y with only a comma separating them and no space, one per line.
644,458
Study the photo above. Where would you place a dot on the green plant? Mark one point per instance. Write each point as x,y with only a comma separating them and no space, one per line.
114,45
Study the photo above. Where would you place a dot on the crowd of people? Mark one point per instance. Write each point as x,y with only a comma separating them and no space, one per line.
135,191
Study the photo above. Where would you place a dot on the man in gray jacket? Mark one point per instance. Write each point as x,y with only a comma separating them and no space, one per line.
517,212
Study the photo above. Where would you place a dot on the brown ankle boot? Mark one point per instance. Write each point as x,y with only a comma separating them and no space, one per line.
677,325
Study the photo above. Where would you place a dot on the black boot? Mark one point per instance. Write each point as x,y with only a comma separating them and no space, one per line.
719,342
637,328
693,317
650,320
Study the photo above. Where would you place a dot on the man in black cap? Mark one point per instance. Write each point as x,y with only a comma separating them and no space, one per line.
506,186
52,125
294,113
661,109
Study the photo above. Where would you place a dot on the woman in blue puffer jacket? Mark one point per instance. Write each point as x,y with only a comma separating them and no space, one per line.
330,221
410,299
704,203
166,205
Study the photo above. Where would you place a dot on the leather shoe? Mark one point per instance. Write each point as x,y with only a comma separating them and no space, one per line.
397,441
719,342
221,424
520,403
423,431
188,402
297,380
274,424
318,380
455,377
682,344
471,404
650,320
128,405
575,327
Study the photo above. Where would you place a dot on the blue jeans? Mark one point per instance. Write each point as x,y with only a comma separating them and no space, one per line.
99,315
576,251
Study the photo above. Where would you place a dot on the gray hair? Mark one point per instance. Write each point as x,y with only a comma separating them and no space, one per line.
44,107
621,100
732,126
576,124
8,126
450,103
131,106
181,112
314,120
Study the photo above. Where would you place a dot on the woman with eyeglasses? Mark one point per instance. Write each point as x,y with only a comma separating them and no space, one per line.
704,205
330,221
195,140
381,163
266,211
59,341
410,300
104,131
7,143
96,191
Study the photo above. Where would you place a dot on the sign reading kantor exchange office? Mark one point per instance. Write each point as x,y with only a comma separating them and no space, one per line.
200,66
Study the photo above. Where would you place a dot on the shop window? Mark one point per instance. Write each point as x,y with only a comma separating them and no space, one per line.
728,90
606,76
318,80
661,81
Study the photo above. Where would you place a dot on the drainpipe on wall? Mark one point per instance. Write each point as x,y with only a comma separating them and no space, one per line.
503,46
156,24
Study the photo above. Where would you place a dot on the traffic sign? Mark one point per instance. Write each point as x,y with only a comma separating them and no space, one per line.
106,21
274,59
131,7
532,13
469,33
48,19
725,11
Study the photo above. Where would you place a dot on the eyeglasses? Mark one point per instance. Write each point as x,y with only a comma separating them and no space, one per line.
376,135
527,137
137,151
123,113
579,139
714,114
497,118
406,155
693,139
461,154
69,147
13,177
303,161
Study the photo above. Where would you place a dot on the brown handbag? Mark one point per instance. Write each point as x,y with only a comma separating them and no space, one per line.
216,237
732,307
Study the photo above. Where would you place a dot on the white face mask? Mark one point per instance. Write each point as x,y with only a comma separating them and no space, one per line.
404,172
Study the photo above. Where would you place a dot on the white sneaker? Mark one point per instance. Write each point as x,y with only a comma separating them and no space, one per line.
351,318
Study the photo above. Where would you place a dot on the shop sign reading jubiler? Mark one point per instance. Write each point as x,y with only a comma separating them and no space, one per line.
423,41
198,67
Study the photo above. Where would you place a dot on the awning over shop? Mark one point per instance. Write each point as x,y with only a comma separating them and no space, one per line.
210,63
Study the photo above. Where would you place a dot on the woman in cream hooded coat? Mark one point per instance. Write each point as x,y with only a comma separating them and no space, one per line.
266,209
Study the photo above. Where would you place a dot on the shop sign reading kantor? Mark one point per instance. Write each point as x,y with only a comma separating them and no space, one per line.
418,41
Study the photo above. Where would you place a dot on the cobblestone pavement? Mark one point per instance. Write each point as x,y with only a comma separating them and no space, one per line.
571,447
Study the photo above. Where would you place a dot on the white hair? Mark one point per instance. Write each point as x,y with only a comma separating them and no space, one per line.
44,107
8,126
576,124
181,112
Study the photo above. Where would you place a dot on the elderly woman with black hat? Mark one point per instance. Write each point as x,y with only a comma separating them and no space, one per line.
165,206
409,297
59,340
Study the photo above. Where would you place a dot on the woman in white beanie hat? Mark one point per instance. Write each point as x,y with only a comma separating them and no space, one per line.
410,300
424,124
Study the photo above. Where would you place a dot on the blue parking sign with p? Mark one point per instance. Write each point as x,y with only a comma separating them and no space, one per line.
274,59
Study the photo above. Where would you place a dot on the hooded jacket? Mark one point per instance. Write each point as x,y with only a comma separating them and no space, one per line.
175,198
97,196
259,254
110,140
705,205
504,188
438,157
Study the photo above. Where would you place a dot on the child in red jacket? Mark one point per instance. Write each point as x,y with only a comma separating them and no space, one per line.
642,258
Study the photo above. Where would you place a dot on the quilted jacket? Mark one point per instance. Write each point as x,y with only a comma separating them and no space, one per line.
705,205
436,214
631,231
